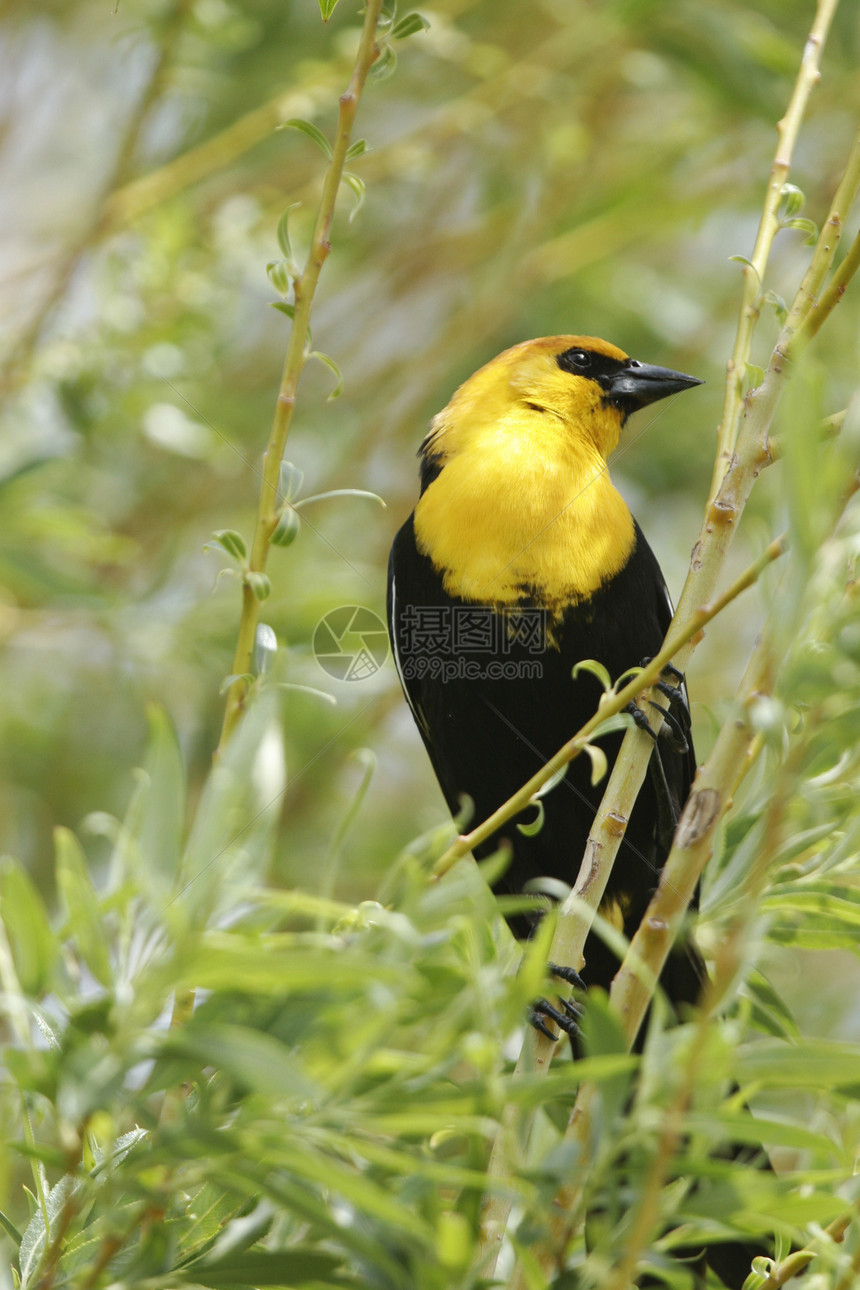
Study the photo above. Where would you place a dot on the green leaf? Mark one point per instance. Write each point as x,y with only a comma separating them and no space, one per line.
311,130
162,820
231,542
358,189
253,1058
278,273
260,584
290,480
293,1267
38,1233
552,782
807,226
385,64
599,764
357,149
818,1063
333,367
792,201
408,25
283,231
533,827
210,1210
33,944
308,689
283,307
327,8
247,677
742,259
596,669
81,903
265,648
340,492
9,1228
229,844
287,529
780,308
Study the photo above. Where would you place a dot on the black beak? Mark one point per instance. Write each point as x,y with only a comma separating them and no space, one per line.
637,384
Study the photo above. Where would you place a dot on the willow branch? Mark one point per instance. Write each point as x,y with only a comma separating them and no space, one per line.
800,1259
821,310
787,129
576,912
831,233
304,289
722,515
611,704
633,986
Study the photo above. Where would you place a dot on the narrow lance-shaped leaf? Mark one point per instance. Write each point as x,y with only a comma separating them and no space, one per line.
81,904
408,25
283,231
358,189
162,818
311,130
231,542
290,480
34,946
357,149
333,367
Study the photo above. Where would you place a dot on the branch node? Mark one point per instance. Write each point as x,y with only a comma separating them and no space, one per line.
699,813
616,823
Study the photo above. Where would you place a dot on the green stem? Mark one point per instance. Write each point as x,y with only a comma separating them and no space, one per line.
828,241
787,129
574,920
305,287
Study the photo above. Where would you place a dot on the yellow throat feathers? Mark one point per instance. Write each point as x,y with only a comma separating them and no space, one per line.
524,508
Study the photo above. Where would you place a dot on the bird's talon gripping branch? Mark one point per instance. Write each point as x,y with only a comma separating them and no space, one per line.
671,732
641,720
543,1008
568,974
540,1026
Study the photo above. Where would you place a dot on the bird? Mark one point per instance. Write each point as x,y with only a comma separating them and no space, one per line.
520,560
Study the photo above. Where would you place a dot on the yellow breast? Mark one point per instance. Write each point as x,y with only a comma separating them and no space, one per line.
525,510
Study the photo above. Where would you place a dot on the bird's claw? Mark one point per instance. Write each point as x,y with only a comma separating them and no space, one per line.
568,974
543,1008
676,738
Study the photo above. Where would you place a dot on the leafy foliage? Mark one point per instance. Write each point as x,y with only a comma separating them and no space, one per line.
324,1115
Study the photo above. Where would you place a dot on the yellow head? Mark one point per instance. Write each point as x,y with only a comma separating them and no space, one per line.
587,385
516,499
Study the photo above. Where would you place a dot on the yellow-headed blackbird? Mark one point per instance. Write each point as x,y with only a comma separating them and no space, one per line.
520,560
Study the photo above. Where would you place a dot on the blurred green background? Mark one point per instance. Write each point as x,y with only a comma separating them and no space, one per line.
559,166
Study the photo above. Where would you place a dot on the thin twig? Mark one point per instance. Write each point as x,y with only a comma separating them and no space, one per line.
788,129
574,920
610,705
304,289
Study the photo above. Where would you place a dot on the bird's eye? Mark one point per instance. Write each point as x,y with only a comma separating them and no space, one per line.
580,359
